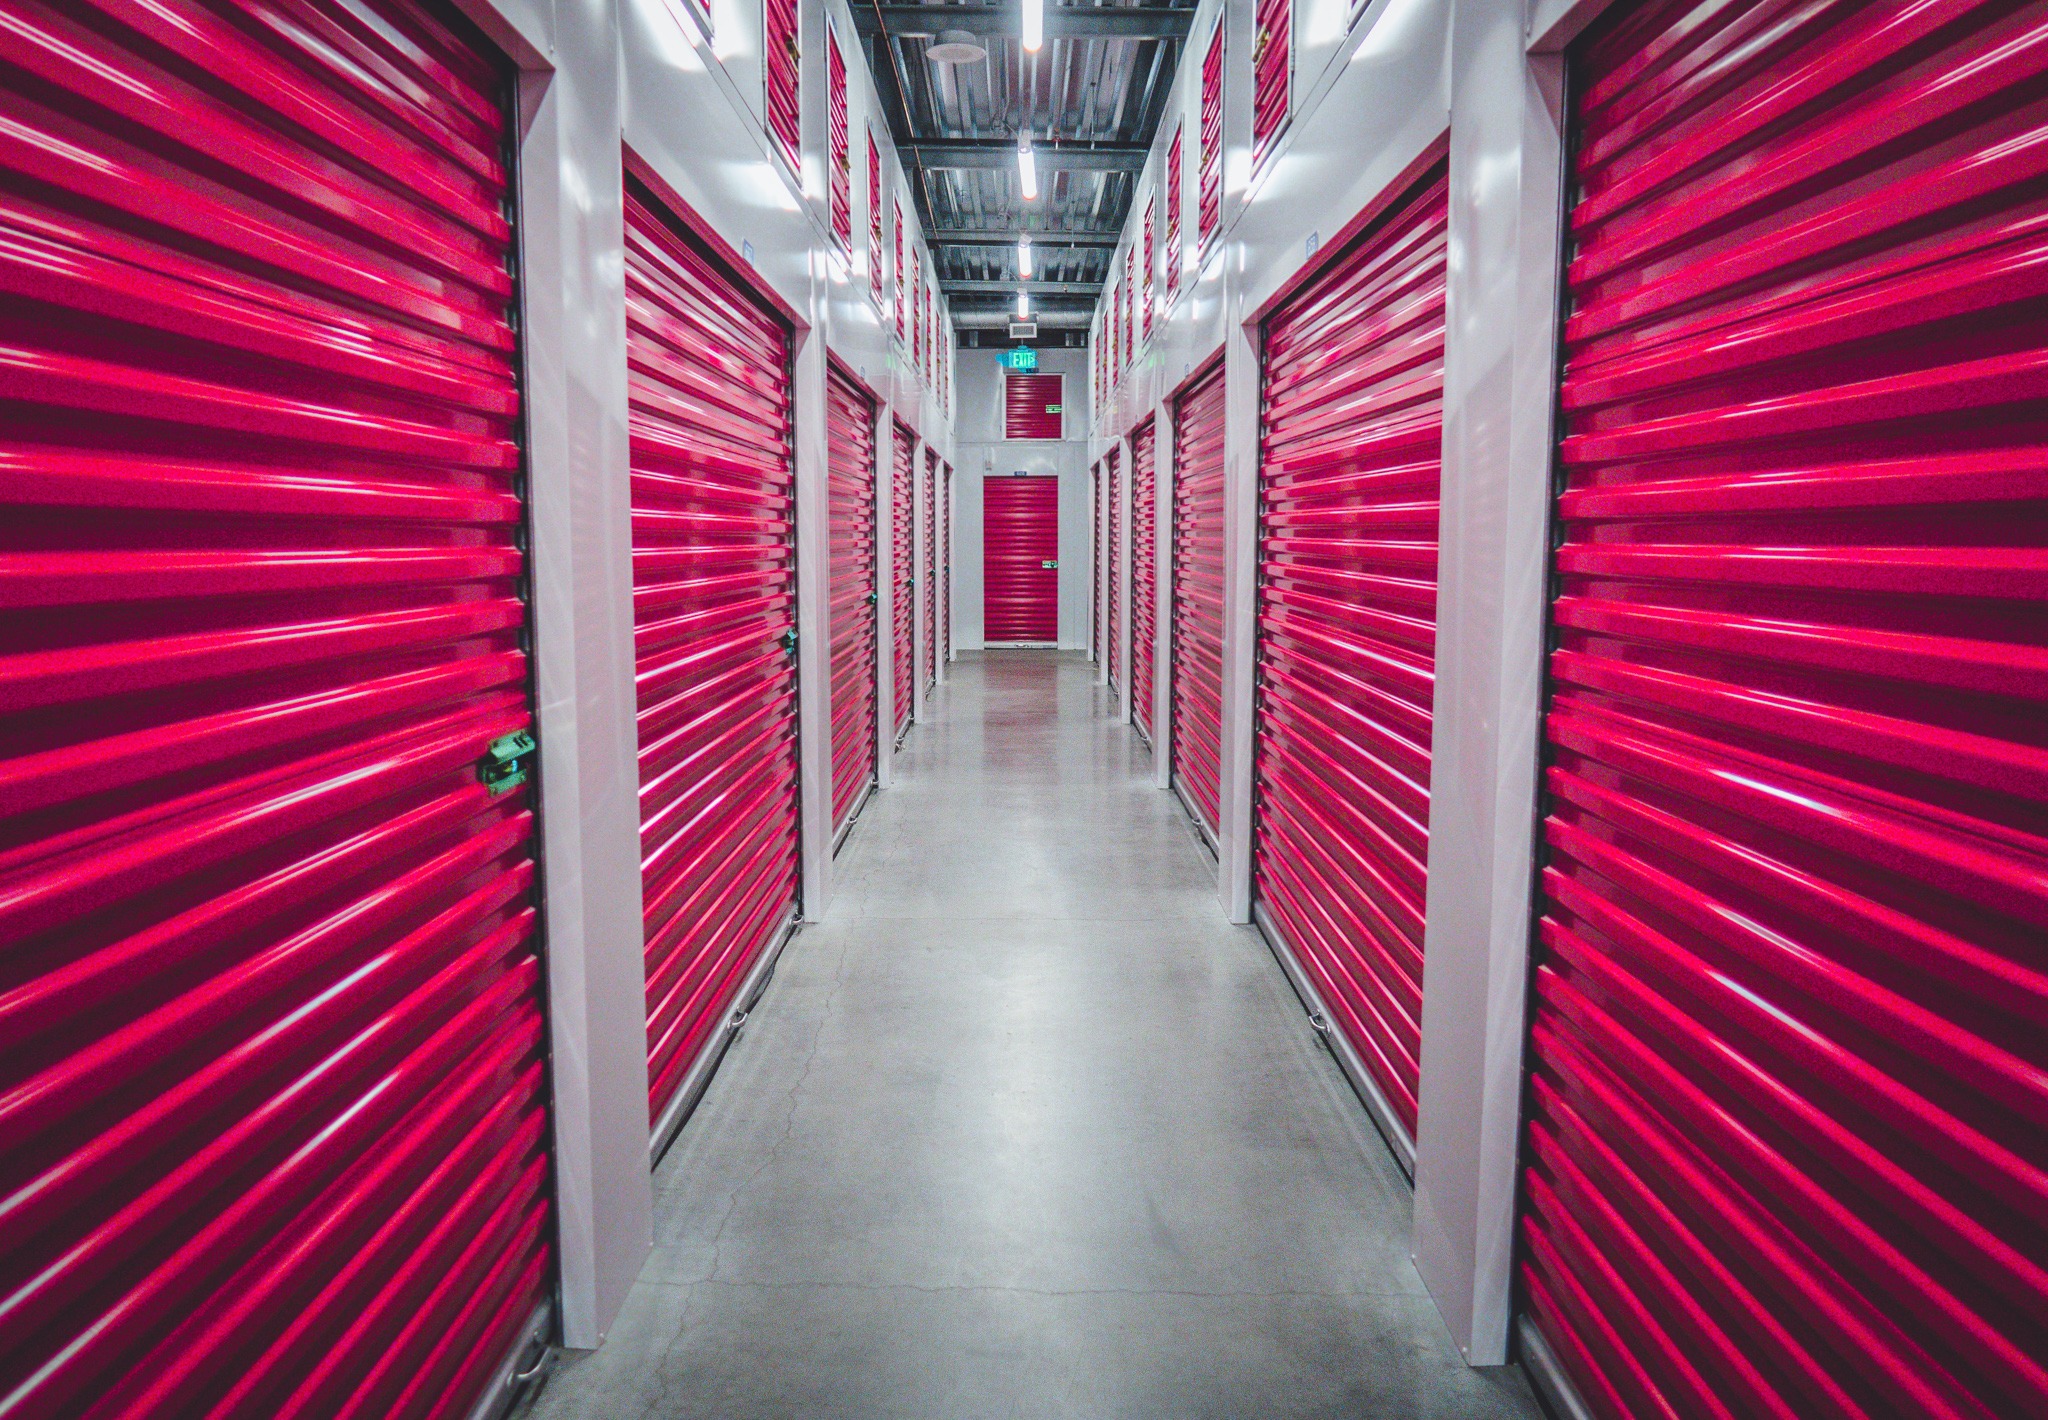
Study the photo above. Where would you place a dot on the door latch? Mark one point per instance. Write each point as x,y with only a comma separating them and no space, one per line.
789,641
1050,562
506,761
874,598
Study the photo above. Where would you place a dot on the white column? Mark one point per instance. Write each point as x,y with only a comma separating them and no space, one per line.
1163,435
1505,204
885,597
572,238
1240,608
813,621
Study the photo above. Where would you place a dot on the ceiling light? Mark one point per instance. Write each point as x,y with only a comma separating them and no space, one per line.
1024,257
1023,303
956,47
1034,24
1027,167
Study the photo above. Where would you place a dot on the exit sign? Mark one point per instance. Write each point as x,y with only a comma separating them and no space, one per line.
1024,359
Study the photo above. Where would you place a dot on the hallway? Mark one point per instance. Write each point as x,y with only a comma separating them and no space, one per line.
1025,1129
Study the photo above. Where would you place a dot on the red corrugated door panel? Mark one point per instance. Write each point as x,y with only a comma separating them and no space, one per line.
781,69
839,146
1209,151
1144,575
1095,546
850,471
1113,468
902,298
1198,594
1351,440
1173,200
714,621
902,525
1272,71
931,568
1787,1099
1033,406
945,563
273,1090
875,255
1020,540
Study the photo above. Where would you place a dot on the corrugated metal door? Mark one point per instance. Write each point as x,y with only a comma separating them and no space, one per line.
1020,540
902,552
273,1101
1209,149
838,146
1198,594
1272,71
1113,467
1144,582
931,568
782,71
1351,439
945,564
1033,406
1096,574
714,633
850,471
1787,1106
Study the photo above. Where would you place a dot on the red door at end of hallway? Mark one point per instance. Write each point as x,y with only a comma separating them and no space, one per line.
850,470
1197,744
1788,1072
1144,574
1351,437
714,618
273,1119
903,578
1020,550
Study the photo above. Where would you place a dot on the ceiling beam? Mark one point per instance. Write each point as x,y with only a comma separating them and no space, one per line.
1053,154
997,237
1036,288
1005,21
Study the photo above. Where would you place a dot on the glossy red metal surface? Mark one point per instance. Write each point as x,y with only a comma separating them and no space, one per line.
271,1008
1173,200
1149,266
1020,541
1144,573
1197,748
903,554
1113,565
1098,562
838,146
931,568
782,66
1209,157
1033,406
876,269
1351,438
917,317
1788,1072
1272,73
856,649
902,299
945,563
714,624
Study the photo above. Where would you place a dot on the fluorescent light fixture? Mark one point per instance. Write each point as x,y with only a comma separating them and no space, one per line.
1027,168
1024,257
1034,24
1023,303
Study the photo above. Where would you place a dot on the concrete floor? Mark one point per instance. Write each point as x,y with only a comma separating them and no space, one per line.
1024,1128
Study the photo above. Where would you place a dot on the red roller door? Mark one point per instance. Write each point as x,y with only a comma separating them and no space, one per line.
714,627
931,568
1033,406
1350,441
945,564
902,626
1788,1094
1020,541
1095,545
850,469
1144,583
1113,467
1198,593
273,1101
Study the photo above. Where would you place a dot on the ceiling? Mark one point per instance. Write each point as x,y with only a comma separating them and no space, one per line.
1091,97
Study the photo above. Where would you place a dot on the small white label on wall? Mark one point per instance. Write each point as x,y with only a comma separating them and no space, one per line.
747,251
1314,241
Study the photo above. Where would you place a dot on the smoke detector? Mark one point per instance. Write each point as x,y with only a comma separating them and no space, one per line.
956,47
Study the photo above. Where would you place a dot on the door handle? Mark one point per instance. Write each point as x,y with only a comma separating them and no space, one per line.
1050,562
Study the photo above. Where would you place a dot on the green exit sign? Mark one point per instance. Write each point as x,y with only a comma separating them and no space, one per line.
1025,359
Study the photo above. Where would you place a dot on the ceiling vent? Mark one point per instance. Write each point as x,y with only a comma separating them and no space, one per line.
1023,329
